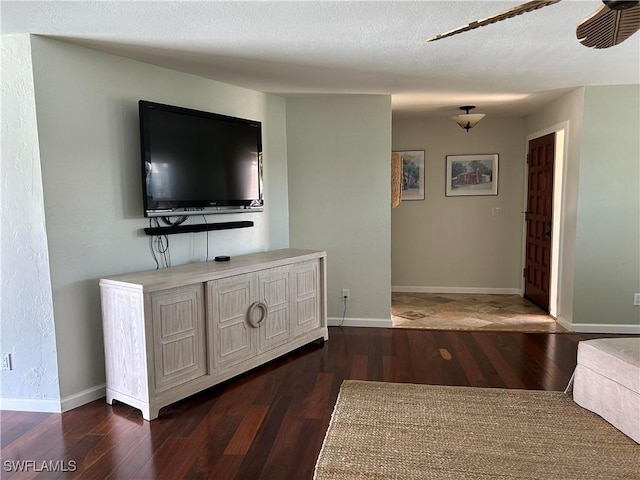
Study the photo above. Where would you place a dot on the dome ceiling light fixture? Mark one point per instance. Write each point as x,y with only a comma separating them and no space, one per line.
468,120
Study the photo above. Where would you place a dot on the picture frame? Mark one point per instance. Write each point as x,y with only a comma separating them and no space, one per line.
471,175
413,174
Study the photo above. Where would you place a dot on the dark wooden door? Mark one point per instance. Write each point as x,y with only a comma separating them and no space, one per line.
537,272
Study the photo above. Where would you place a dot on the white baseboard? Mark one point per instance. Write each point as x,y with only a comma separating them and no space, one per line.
78,399
360,322
30,405
53,406
476,290
564,323
615,328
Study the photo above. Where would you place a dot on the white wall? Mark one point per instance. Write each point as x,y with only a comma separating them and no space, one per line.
607,252
27,323
339,152
455,243
86,104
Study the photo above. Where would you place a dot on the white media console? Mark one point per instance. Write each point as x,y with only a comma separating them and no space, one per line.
172,332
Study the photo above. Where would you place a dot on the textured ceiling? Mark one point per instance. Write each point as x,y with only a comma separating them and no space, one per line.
508,68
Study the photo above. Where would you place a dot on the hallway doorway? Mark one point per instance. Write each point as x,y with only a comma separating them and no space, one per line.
548,228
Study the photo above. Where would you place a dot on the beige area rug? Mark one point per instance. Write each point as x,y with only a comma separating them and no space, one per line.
479,312
404,431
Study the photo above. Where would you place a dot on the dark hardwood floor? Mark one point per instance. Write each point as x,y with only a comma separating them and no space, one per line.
270,423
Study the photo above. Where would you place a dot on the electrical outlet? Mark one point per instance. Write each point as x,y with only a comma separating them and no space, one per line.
346,294
636,299
5,360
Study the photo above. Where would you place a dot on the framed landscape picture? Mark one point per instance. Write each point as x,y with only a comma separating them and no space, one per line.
472,175
413,176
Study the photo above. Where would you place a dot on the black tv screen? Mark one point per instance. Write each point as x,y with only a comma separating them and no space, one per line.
196,162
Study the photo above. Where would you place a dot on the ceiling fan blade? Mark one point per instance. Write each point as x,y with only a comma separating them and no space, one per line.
512,12
607,27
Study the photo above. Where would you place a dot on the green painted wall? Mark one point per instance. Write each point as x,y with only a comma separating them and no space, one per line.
88,128
607,249
339,161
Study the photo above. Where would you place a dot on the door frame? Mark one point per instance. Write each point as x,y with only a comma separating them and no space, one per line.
557,229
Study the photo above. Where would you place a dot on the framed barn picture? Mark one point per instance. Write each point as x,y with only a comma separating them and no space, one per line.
470,175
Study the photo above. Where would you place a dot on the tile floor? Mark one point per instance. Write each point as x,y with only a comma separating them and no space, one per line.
453,311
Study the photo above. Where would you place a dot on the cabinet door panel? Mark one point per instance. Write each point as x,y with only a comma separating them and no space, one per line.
229,300
274,287
275,330
179,334
307,301
178,355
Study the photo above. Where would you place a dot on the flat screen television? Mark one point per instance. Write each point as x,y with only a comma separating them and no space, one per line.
196,162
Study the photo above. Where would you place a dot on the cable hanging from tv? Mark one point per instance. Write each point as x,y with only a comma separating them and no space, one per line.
174,223
159,244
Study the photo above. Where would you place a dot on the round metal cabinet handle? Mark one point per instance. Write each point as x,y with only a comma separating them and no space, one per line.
265,311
